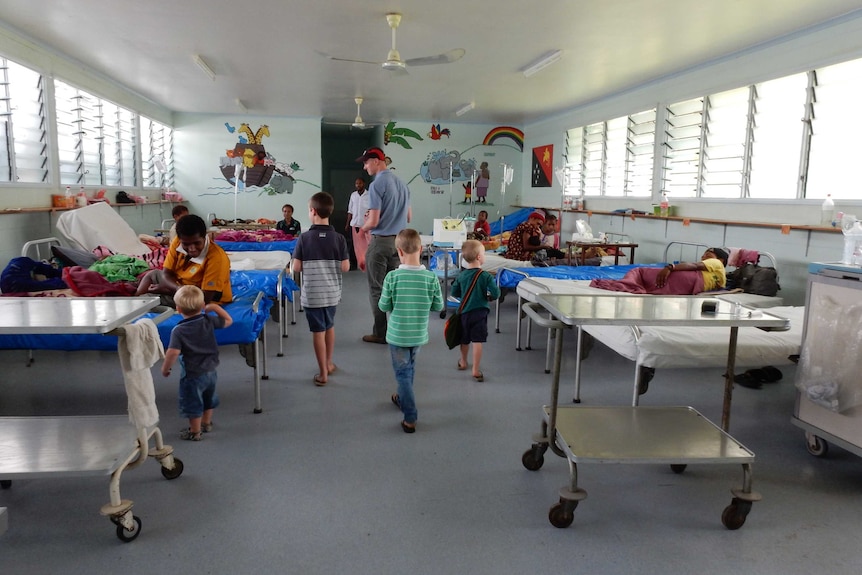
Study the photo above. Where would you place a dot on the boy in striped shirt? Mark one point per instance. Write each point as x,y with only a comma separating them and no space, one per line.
321,255
409,293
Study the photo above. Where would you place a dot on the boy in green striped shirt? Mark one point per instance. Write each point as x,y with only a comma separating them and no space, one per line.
409,293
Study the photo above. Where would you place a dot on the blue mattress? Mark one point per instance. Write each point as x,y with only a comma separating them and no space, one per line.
245,328
249,282
286,246
510,221
508,278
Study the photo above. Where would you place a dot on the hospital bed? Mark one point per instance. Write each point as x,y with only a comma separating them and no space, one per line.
657,347
72,446
254,293
100,225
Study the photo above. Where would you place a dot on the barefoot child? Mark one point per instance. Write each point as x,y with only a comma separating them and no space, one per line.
474,316
321,255
409,293
193,341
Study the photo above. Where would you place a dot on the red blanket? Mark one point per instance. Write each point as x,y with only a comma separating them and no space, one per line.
93,284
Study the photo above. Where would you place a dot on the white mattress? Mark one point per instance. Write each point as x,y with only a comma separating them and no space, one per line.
666,347
268,260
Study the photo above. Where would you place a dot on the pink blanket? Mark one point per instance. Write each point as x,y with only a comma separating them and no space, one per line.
642,281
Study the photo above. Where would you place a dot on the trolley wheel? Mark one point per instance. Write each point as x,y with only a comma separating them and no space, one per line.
678,467
562,514
443,314
175,472
533,459
126,535
815,445
5,483
733,516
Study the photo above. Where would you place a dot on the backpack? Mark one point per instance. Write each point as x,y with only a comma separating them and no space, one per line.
755,279
123,198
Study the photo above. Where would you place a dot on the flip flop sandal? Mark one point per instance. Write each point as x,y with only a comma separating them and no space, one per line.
396,400
771,374
318,381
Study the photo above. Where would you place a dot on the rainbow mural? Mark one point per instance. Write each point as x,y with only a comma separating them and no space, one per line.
513,134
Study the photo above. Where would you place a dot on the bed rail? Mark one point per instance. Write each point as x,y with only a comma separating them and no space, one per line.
33,248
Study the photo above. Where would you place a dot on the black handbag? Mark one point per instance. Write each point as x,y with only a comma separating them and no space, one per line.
453,330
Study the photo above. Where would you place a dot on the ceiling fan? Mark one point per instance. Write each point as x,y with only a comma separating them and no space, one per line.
358,122
394,63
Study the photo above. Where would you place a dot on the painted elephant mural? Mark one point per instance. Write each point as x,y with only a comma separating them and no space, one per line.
439,165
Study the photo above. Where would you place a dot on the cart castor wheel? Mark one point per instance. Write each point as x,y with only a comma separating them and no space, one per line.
175,472
533,458
562,514
733,516
678,467
815,445
5,483
126,535
443,314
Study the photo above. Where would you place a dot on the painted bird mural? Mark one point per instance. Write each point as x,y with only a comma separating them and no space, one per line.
436,133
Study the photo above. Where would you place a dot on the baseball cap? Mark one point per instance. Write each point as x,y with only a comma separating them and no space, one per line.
375,153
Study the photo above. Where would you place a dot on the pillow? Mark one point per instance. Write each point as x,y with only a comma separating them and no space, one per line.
73,257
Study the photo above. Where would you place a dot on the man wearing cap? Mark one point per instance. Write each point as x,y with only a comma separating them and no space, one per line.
520,245
388,213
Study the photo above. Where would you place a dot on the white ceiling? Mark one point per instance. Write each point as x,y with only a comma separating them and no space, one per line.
268,53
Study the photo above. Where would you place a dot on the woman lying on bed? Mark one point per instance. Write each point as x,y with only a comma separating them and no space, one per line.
673,279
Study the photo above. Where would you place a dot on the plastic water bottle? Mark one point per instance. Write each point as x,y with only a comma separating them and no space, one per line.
664,206
68,192
827,211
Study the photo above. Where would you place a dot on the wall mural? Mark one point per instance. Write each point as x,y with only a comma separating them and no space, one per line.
393,135
452,171
248,167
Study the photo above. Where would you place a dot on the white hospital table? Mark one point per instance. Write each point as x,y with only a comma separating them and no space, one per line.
672,435
38,447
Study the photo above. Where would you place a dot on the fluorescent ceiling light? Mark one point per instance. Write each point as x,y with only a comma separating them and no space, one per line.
542,63
463,110
204,66
241,105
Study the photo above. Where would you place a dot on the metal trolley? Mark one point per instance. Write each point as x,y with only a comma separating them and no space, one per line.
675,435
39,447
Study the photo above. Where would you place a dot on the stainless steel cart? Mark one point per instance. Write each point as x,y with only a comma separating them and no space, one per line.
827,405
673,435
38,447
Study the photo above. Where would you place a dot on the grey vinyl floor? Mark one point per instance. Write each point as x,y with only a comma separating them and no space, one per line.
324,480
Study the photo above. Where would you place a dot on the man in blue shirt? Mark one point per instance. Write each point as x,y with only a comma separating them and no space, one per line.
388,213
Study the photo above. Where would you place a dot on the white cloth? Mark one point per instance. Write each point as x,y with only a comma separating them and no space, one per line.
99,225
139,347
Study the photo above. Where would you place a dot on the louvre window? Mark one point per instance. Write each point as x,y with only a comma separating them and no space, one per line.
835,123
95,139
23,133
156,154
612,158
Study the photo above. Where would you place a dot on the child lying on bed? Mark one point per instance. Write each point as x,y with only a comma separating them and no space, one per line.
673,279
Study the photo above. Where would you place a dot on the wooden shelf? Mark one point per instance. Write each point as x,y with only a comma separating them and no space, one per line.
49,209
765,225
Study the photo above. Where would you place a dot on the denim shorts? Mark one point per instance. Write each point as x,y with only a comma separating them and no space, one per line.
320,318
197,394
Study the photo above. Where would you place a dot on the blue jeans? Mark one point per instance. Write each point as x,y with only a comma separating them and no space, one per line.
404,364
380,259
197,394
